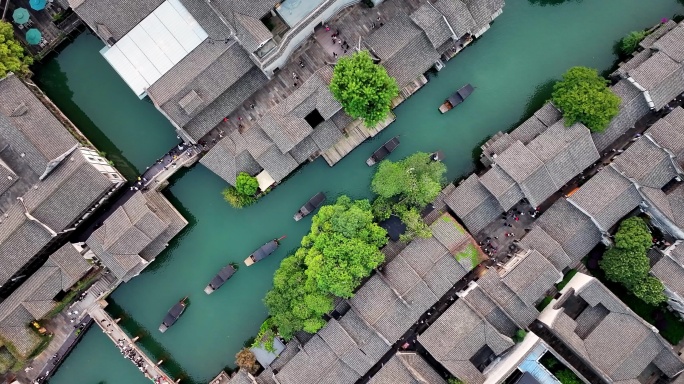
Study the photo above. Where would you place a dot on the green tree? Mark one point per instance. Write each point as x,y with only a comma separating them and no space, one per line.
567,376
12,57
454,380
343,246
415,180
625,266
630,43
415,226
237,199
583,96
363,88
246,185
295,303
633,233
519,335
650,290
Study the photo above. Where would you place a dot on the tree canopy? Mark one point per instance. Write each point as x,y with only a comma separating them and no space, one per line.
627,263
364,88
633,233
583,96
246,360
12,57
246,184
415,180
340,250
630,43
625,266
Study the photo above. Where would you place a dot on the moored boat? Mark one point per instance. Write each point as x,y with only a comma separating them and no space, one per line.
437,156
457,98
383,151
224,274
316,201
264,251
174,313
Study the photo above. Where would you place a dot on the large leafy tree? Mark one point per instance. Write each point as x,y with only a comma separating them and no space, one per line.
295,303
583,96
245,184
415,180
633,233
343,246
650,290
364,88
630,43
625,266
12,57
341,249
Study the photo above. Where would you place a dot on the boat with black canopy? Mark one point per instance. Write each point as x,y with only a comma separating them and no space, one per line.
383,151
224,274
457,98
316,201
264,251
174,313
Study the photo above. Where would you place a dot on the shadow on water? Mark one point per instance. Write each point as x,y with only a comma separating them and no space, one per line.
55,83
153,348
553,3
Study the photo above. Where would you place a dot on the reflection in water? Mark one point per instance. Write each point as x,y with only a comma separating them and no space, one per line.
552,3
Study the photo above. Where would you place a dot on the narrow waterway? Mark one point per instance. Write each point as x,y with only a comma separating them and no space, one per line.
512,66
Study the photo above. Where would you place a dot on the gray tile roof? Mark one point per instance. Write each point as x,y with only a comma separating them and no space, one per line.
502,186
165,211
661,76
20,240
305,149
277,164
482,11
607,197
406,368
125,234
668,132
244,16
226,103
532,278
449,232
548,114
539,240
491,311
326,134
241,377
457,335
672,44
621,345
670,205
312,364
118,16
474,204
28,127
669,270
658,33
457,15
73,187
207,82
565,151
646,163
403,48
256,141
430,20
251,31
34,298
528,171
632,107
528,130
347,349
571,228
223,160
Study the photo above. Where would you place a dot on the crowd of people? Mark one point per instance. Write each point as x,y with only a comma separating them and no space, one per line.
132,354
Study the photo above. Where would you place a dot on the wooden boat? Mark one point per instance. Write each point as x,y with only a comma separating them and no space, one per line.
224,274
457,98
383,151
264,251
174,313
316,201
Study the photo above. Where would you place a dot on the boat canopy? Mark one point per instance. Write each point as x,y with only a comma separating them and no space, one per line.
265,250
174,314
313,203
223,275
460,95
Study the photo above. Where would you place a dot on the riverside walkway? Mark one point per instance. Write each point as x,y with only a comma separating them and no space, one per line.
127,346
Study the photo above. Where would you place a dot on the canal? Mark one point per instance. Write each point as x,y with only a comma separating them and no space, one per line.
512,66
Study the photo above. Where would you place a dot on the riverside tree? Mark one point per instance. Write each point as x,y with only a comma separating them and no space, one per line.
244,191
246,360
630,43
12,57
583,96
341,249
364,88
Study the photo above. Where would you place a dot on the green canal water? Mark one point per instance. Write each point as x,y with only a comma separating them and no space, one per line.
512,66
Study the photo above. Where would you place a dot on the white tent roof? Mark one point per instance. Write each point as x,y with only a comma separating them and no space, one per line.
155,45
